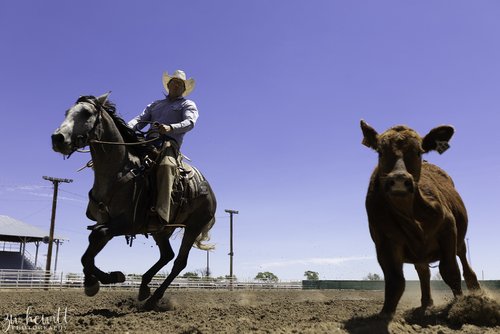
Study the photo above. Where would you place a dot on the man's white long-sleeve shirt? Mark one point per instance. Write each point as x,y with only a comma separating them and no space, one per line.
181,114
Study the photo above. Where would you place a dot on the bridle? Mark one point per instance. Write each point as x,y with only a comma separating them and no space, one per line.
84,140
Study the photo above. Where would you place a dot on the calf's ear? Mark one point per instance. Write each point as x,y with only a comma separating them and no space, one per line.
370,136
437,139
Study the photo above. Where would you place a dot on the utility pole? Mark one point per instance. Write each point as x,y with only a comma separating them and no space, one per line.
56,182
58,242
231,253
208,263
468,250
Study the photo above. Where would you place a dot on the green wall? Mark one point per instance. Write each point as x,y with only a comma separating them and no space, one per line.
379,285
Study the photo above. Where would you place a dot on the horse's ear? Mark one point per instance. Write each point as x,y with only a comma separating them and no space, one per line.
103,98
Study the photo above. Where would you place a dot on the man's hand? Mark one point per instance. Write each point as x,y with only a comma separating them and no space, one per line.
163,128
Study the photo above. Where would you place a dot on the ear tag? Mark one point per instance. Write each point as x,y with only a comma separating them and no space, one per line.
442,146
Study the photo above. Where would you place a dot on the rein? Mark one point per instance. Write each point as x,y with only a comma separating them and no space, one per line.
95,141
99,108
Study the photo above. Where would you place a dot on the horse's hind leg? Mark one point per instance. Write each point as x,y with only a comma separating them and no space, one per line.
97,240
166,255
190,235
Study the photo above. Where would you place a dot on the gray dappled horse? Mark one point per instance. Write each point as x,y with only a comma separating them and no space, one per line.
117,198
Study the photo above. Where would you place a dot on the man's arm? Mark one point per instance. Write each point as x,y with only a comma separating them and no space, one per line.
136,123
190,114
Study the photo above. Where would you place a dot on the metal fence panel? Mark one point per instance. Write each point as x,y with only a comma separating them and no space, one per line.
39,279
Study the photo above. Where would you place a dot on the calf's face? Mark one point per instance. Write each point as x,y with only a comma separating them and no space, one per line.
400,155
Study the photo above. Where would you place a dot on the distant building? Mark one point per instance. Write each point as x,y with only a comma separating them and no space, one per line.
14,236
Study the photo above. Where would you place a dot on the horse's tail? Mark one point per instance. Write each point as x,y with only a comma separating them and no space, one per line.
205,236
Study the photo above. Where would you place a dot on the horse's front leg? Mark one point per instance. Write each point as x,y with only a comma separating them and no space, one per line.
98,238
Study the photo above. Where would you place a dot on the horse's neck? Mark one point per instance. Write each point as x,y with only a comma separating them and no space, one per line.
109,161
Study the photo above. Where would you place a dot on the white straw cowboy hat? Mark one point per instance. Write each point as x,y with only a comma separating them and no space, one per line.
189,83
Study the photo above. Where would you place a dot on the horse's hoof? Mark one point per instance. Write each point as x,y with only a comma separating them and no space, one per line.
151,304
144,293
117,277
92,290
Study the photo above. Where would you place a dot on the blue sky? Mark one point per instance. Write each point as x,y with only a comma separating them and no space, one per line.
280,87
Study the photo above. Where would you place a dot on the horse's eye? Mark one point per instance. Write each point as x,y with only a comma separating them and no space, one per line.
87,112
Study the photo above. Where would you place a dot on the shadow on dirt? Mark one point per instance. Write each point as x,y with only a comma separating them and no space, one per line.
367,325
474,309
105,313
135,305
191,330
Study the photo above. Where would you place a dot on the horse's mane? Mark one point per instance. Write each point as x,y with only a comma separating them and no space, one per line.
128,134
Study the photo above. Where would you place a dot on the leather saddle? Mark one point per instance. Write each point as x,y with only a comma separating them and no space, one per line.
190,185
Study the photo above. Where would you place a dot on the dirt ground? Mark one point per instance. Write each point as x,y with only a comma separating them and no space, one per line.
242,311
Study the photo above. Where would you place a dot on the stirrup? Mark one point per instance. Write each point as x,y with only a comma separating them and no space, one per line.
167,224
152,211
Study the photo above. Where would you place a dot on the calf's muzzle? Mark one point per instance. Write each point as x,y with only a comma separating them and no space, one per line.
399,182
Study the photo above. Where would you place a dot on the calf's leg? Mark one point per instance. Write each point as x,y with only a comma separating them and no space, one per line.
392,266
424,275
448,266
469,274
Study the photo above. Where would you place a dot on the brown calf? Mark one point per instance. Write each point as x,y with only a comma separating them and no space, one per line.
414,212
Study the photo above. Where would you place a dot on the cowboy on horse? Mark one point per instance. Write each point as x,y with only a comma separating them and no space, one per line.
172,117
120,195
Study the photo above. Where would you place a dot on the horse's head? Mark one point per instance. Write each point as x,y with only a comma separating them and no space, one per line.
79,125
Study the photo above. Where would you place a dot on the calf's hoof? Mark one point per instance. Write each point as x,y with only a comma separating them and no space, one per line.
386,315
426,304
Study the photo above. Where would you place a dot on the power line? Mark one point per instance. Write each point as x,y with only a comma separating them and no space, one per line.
35,212
75,194
21,187
23,200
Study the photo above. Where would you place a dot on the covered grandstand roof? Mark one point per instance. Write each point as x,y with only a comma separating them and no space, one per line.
13,230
